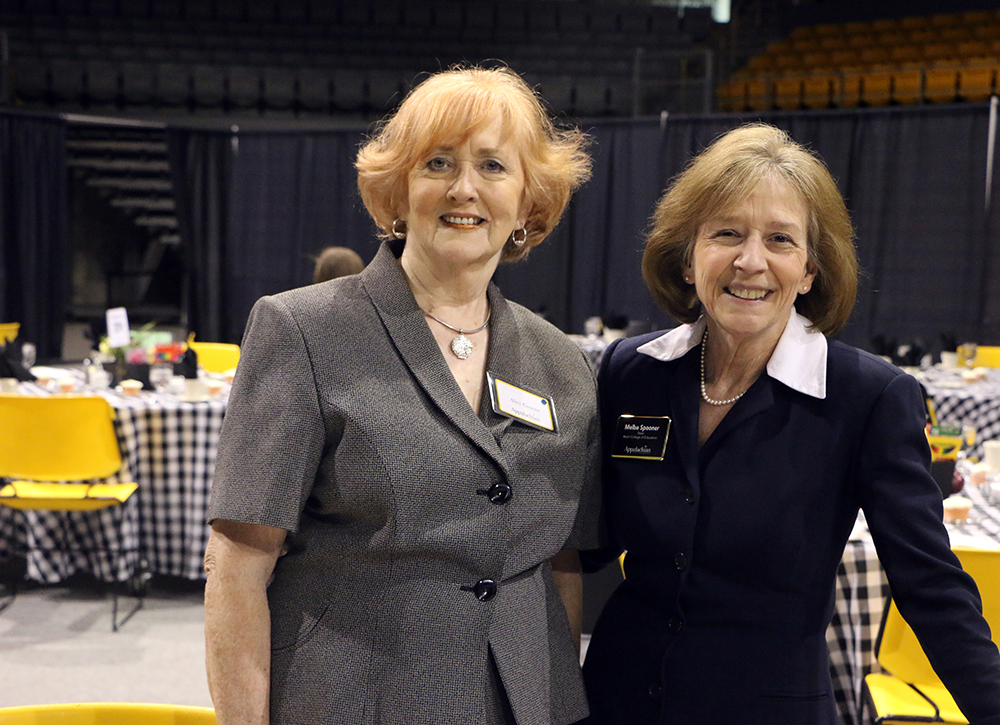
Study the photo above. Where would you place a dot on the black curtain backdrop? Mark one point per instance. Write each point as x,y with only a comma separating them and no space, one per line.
201,169
255,207
35,252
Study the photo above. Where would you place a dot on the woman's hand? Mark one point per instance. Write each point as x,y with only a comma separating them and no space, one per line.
568,578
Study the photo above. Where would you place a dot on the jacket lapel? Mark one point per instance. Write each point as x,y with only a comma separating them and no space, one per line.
503,359
389,291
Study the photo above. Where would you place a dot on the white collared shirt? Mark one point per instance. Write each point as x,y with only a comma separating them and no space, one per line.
798,361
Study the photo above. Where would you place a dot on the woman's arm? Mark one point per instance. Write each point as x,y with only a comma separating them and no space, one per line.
568,579
239,561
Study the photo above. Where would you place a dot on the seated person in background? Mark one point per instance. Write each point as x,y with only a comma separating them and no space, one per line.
334,262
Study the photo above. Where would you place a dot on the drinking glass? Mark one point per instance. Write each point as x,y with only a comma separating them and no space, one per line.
967,354
28,355
159,375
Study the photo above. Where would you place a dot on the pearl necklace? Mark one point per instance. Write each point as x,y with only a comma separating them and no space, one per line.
462,346
704,393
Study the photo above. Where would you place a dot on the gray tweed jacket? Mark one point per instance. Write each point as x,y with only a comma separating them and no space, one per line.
346,427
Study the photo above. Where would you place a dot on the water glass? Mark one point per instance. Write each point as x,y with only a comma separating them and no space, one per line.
159,375
28,355
967,354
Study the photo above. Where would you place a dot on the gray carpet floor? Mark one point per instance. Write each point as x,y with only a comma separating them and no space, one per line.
56,646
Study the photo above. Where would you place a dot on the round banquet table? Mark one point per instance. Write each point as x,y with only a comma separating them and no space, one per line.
965,403
169,446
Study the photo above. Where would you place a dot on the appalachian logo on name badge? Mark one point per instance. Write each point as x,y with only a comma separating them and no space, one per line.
523,405
641,436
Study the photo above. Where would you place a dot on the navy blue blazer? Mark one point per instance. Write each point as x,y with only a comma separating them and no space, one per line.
733,548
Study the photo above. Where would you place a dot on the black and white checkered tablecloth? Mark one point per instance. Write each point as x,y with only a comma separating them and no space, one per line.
960,403
862,594
862,591
169,448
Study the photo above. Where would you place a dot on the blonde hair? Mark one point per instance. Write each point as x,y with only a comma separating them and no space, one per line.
723,175
449,106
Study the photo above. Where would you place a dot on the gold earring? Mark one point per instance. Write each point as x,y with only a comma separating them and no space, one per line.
396,231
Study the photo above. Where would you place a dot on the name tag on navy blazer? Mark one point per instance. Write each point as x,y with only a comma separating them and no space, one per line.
523,405
641,436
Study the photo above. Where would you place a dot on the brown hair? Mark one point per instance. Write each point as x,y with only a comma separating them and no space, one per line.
450,105
334,262
726,173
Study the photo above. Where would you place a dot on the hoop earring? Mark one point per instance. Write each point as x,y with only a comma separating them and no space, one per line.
519,241
396,231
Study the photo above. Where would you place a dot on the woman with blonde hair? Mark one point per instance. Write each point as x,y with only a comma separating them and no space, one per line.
408,458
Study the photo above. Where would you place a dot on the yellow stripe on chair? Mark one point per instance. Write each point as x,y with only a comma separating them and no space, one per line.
897,702
31,495
106,713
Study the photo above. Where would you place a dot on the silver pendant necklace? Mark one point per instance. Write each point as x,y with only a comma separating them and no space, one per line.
704,393
460,344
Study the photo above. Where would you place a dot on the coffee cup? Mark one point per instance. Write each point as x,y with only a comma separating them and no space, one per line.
949,359
66,385
991,454
8,385
194,388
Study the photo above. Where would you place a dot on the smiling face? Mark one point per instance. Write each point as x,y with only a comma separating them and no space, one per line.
751,261
465,199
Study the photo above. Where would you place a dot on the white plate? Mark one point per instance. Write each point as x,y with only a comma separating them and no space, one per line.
40,371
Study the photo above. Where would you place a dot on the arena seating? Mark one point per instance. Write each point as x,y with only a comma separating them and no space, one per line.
942,58
341,57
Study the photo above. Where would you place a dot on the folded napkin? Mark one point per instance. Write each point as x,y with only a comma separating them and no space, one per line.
10,362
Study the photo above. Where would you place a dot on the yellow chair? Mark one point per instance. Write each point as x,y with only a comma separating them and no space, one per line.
941,84
911,691
987,356
984,566
9,331
215,357
788,92
46,441
976,83
107,713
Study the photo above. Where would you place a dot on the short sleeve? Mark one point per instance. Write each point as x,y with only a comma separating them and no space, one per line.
273,434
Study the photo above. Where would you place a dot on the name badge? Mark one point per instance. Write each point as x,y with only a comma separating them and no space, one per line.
641,436
523,405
